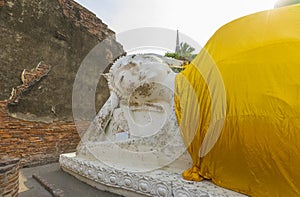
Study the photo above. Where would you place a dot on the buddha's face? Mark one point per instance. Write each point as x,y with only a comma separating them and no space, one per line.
131,72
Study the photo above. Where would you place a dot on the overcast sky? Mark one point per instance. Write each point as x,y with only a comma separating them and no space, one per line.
198,19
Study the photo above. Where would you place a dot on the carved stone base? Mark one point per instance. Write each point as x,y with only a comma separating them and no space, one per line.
162,182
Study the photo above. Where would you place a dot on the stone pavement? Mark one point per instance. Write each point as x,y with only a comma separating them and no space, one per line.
60,180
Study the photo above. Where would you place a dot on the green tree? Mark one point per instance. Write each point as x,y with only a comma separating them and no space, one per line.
185,49
185,54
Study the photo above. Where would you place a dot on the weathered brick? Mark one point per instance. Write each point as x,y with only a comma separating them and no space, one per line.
12,171
85,18
10,187
9,182
6,136
12,178
24,139
8,193
15,192
2,175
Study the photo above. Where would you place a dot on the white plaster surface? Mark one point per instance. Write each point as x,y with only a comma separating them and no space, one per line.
162,182
134,144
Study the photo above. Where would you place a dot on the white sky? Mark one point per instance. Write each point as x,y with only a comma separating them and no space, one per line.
198,19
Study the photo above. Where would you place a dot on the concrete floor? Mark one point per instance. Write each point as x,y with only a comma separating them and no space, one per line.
72,187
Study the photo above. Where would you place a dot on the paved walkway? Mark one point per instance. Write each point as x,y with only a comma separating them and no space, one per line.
71,187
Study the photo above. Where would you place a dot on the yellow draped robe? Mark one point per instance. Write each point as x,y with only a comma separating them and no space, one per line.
238,105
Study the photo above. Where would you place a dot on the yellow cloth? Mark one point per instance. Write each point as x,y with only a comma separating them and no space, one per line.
245,83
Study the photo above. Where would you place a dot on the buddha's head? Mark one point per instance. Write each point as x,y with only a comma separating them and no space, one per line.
131,72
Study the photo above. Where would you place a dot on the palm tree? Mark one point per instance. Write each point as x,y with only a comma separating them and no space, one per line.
186,50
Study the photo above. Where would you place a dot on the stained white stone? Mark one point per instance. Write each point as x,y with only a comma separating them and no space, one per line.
164,182
127,182
134,146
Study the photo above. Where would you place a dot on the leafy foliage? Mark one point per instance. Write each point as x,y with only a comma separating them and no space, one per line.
175,56
185,54
186,50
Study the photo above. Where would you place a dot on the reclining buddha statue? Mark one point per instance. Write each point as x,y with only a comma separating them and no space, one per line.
231,117
138,117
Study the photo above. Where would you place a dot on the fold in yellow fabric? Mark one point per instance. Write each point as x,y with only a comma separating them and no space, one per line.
238,105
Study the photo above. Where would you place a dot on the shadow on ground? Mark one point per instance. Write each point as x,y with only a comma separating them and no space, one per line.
54,175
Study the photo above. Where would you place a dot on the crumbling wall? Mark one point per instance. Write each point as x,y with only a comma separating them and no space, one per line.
82,16
32,31
9,177
35,142
59,33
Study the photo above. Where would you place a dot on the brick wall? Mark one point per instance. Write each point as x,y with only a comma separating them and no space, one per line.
84,17
9,177
35,142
